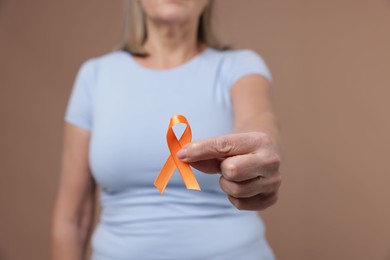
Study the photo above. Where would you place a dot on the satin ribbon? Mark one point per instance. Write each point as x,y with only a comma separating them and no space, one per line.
172,162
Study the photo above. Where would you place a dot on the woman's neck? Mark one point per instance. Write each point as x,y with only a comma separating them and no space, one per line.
170,45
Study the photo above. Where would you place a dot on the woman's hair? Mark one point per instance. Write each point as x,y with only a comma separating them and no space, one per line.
135,33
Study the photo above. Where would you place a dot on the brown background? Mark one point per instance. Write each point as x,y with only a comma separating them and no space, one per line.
331,64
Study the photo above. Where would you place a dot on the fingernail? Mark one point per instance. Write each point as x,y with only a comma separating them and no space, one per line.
182,154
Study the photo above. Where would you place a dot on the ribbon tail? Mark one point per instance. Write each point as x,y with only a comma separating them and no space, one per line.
165,175
187,174
189,179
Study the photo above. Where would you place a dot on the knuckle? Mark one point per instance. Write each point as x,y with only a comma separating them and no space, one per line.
239,204
273,183
273,162
223,184
223,145
229,170
236,190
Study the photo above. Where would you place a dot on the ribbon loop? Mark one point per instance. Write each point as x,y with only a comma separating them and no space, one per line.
173,162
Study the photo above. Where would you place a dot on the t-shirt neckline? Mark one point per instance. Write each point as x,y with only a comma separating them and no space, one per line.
177,68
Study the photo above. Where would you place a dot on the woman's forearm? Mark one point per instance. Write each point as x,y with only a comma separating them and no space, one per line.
67,241
267,123
70,236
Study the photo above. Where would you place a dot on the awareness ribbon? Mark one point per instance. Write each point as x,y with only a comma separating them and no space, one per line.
172,162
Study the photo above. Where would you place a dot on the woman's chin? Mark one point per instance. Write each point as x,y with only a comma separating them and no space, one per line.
173,11
171,18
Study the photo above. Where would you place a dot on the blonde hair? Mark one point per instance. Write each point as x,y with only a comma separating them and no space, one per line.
135,33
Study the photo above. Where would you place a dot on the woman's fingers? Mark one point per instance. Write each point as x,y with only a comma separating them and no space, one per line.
251,180
252,187
249,166
208,166
222,146
258,202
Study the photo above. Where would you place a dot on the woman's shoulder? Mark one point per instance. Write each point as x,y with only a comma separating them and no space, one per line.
237,62
104,62
236,53
232,58
108,57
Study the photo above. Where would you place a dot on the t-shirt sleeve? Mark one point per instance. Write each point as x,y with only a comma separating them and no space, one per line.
244,62
79,107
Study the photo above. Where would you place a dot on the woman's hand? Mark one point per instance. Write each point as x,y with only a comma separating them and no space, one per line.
248,163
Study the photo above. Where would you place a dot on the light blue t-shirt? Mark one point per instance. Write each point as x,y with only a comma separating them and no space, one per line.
127,108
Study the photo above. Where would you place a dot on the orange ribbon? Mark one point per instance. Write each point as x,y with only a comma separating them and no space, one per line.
172,162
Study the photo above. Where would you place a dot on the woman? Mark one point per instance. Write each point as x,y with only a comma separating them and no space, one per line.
114,139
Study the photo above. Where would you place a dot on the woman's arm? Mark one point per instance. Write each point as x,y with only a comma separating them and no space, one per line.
247,159
74,207
253,113
252,105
